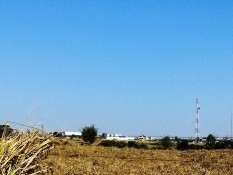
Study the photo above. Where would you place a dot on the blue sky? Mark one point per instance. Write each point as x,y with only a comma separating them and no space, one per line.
129,67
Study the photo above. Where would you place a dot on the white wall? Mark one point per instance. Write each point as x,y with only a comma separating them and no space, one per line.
120,138
69,133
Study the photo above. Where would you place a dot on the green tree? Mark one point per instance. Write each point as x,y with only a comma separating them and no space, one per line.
166,142
89,133
210,141
182,144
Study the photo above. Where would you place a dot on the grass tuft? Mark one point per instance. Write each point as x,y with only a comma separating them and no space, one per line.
19,153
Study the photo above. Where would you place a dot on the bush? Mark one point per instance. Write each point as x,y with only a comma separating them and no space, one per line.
57,134
113,143
230,144
89,133
123,144
182,145
5,130
210,144
138,145
221,145
196,147
108,143
166,142
141,145
226,144
132,144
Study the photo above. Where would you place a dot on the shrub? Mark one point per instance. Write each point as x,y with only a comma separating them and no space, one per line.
132,144
196,147
89,133
113,143
138,145
182,145
72,136
108,143
123,144
141,145
166,142
57,134
230,143
210,141
5,130
226,144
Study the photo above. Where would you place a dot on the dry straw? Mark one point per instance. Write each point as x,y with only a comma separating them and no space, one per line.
20,152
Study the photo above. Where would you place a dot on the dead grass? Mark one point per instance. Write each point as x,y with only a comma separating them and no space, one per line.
71,158
19,153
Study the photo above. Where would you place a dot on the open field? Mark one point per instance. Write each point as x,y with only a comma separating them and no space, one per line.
72,158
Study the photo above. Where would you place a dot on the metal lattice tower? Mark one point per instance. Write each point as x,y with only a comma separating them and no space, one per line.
197,131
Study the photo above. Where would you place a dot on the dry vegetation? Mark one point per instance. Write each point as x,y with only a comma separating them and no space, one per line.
72,158
19,153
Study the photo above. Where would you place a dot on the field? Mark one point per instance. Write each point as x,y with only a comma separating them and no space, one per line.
73,158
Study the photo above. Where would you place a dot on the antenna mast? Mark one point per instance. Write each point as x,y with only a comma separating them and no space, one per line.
197,132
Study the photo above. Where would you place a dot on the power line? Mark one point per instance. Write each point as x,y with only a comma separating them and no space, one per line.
33,127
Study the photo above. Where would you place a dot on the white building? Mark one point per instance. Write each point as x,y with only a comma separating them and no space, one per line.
70,133
116,137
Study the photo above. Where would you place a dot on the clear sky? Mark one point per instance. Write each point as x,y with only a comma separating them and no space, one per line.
129,67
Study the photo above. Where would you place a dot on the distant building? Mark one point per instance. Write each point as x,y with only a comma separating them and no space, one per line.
69,134
154,138
116,137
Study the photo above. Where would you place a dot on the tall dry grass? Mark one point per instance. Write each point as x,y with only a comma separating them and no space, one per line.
19,153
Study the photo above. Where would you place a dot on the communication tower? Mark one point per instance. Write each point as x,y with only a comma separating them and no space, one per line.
197,131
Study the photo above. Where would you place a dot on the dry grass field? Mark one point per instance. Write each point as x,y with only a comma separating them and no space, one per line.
20,152
72,158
